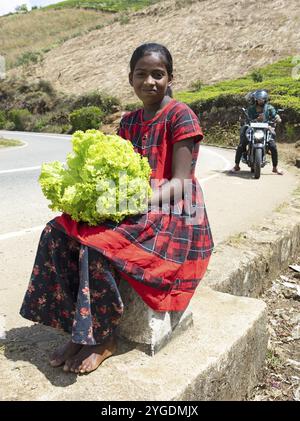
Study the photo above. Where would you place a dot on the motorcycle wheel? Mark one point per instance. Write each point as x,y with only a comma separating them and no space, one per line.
257,163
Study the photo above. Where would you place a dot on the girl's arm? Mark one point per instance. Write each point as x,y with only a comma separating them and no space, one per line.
181,170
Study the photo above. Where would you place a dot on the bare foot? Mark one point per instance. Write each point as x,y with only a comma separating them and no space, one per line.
62,354
90,357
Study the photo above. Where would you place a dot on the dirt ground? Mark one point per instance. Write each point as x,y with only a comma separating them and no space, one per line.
281,379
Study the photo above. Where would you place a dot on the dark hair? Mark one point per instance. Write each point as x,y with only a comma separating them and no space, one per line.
149,48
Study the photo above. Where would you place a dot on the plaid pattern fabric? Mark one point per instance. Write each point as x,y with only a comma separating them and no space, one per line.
162,254
185,232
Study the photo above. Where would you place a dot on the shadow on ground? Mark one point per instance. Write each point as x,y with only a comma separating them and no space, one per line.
239,174
245,174
34,344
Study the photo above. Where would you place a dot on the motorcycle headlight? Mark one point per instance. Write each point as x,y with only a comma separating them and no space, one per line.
259,135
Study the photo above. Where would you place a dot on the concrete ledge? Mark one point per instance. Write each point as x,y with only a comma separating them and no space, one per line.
219,358
244,265
147,329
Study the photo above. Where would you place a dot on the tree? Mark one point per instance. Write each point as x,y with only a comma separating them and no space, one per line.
22,8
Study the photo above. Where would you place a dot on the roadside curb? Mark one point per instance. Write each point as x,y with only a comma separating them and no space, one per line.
244,264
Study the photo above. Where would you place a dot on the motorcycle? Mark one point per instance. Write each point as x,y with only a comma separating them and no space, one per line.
258,134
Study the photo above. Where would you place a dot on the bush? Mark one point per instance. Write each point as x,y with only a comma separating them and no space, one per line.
39,123
257,76
86,118
223,135
124,18
29,57
2,119
132,106
9,125
37,102
196,85
107,103
20,118
45,86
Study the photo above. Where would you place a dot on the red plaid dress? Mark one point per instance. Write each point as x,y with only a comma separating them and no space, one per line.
162,255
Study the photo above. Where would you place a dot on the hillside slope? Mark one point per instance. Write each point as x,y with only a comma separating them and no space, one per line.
51,28
210,41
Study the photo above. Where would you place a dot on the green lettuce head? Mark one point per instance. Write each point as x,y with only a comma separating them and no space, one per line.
104,178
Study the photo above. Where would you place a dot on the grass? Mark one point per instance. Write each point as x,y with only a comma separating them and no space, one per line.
55,24
19,43
273,360
104,5
5,143
237,239
282,207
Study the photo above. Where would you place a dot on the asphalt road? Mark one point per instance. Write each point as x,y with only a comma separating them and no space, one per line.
23,205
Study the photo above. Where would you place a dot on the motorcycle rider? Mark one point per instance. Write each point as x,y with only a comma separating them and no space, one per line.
260,111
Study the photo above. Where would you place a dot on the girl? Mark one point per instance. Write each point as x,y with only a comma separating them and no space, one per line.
162,254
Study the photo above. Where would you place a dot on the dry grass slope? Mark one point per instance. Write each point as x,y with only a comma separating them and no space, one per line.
41,30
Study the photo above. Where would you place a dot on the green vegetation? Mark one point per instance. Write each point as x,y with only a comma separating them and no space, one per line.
273,359
22,8
104,5
29,57
219,105
86,118
2,120
238,239
91,189
20,118
197,85
38,107
108,104
21,45
257,76
283,89
5,143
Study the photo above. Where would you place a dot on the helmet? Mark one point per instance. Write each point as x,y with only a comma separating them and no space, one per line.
261,94
250,97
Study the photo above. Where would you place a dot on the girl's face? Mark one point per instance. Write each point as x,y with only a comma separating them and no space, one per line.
150,79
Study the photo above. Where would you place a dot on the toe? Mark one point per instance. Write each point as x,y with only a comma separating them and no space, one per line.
56,362
67,366
85,368
74,366
82,367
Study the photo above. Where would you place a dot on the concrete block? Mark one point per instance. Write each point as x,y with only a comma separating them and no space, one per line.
146,328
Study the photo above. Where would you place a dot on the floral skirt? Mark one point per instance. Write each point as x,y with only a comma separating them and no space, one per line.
74,288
